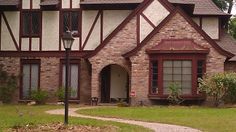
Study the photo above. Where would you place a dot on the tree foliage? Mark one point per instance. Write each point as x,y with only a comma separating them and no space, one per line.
8,84
225,5
220,86
232,27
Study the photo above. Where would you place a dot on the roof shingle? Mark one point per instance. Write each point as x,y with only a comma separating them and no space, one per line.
110,1
228,43
9,2
201,7
49,2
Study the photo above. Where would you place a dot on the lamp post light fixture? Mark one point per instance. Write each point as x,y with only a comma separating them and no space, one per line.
67,43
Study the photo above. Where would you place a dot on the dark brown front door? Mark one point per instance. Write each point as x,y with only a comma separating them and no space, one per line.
105,84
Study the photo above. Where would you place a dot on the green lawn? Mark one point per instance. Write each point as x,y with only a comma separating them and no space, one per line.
9,117
205,119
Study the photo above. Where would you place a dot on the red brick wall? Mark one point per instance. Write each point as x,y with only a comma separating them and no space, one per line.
85,82
12,66
176,28
112,53
125,40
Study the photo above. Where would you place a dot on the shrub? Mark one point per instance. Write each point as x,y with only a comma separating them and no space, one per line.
60,93
39,96
8,85
174,97
220,86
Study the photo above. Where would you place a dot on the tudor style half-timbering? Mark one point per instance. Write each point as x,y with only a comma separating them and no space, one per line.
121,47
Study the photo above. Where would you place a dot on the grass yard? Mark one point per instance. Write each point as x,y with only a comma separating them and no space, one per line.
205,119
21,115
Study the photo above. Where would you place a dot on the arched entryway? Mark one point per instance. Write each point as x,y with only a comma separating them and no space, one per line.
114,84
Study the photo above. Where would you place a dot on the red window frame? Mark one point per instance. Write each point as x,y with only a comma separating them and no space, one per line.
30,62
72,61
31,34
78,11
160,58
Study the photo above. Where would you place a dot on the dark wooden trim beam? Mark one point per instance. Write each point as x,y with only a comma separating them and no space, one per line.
191,22
101,26
76,54
31,4
41,31
140,8
200,23
80,29
20,30
149,21
138,29
0,31
10,31
91,29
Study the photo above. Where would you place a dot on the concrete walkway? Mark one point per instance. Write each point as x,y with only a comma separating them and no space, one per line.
157,127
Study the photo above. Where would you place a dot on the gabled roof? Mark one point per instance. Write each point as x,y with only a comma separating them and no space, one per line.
201,7
144,4
228,43
194,25
177,46
109,1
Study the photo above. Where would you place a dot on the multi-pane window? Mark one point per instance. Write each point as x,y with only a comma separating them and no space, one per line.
154,82
70,21
30,78
185,72
31,21
200,68
179,72
73,80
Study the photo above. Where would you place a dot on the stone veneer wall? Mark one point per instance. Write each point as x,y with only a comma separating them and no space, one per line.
176,28
112,53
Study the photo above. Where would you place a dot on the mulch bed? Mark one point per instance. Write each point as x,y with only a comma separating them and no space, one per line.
60,127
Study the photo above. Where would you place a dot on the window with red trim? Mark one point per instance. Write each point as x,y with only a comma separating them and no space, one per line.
31,21
183,70
30,77
74,75
70,21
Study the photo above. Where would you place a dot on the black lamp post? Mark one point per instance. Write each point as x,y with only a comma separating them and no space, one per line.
67,42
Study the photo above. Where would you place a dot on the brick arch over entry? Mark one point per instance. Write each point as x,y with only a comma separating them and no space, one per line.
114,83
112,52
96,71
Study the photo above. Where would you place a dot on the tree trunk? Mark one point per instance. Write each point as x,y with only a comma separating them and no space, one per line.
230,6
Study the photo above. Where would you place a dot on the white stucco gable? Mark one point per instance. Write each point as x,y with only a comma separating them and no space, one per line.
155,13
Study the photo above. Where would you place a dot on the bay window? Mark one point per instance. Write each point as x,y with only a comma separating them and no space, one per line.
183,70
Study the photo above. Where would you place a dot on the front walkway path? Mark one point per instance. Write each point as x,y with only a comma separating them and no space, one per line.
157,127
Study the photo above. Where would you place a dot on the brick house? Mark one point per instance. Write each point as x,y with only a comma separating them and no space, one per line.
121,47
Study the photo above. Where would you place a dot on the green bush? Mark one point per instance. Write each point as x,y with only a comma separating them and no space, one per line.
8,85
220,86
174,96
39,96
60,93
